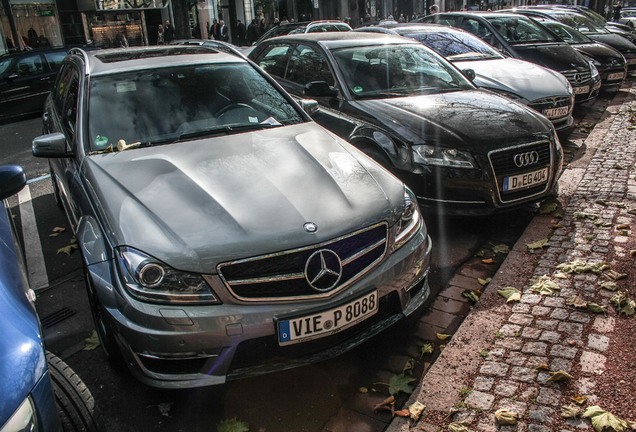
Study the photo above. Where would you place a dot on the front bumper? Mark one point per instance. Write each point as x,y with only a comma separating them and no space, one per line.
192,346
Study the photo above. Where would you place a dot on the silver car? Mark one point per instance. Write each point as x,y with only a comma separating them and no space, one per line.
540,88
224,234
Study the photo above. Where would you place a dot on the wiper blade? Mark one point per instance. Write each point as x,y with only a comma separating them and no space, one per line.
239,127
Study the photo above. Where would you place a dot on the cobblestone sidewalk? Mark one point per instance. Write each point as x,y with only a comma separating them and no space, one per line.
493,360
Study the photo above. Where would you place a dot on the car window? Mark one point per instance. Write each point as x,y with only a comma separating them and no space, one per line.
62,84
55,59
5,63
456,45
29,65
307,64
273,59
177,103
519,30
394,70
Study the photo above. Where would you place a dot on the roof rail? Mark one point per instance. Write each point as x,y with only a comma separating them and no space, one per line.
80,52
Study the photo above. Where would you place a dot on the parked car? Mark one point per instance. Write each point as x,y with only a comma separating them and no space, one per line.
589,28
628,17
462,150
521,37
39,391
224,234
610,63
304,27
540,88
26,78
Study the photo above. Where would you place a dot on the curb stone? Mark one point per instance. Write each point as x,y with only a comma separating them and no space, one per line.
557,328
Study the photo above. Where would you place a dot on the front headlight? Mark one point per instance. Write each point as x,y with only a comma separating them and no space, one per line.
594,71
149,279
23,419
446,157
410,221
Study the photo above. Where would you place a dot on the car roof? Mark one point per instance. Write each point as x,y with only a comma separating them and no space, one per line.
346,39
110,61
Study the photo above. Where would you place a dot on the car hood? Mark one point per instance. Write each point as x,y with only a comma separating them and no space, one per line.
615,41
466,120
525,79
555,56
195,204
600,52
22,360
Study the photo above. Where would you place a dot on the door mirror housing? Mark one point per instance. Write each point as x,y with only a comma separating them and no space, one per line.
469,73
310,106
12,180
50,146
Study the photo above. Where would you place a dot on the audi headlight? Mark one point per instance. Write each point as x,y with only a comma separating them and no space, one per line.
446,157
410,221
23,419
149,279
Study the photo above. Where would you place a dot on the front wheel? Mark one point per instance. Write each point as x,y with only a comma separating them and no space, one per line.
75,403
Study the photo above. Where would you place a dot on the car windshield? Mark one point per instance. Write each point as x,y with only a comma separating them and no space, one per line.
396,70
149,107
456,45
567,33
521,30
579,22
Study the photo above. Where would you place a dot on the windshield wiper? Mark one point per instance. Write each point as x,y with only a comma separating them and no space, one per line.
226,129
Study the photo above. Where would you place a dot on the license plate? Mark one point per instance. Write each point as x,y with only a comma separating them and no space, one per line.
555,112
581,90
526,180
631,61
327,322
615,76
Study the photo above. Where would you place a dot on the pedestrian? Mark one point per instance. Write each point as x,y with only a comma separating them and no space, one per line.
160,39
168,32
214,30
240,32
433,9
252,32
616,15
224,32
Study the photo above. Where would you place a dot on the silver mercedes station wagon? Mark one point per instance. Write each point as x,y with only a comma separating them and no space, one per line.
224,234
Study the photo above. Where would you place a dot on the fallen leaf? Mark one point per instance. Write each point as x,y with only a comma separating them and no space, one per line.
579,266
576,301
91,342
67,249
559,376
488,261
545,286
415,410
603,420
500,249
580,400
614,275
472,295
597,308
442,336
625,305
408,366
584,215
427,348
622,226
543,367
164,408
232,425
59,230
459,427
548,207
386,405
510,293
610,285
483,282
363,390
506,417
571,411
400,383
402,413
539,244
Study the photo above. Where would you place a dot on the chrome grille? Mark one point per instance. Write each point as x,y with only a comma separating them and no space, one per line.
550,102
577,78
503,165
281,276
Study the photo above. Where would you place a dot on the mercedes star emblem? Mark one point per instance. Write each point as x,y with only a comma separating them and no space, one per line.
323,270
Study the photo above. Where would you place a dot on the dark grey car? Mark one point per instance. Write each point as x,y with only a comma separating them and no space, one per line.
224,234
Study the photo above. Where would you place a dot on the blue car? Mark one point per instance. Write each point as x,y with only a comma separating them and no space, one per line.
39,391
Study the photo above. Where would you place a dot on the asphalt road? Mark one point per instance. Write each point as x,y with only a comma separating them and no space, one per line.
304,399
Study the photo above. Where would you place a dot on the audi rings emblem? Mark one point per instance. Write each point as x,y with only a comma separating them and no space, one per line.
525,159
323,270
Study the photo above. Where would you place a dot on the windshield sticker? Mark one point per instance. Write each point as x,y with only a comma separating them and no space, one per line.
357,89
123,87
252,119
101,141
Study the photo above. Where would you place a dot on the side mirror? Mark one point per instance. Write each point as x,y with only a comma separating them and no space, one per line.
310,106
12,180
50,146
469,73
319,89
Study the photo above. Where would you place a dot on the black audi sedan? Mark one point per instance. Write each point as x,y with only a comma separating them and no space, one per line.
521,37
460,149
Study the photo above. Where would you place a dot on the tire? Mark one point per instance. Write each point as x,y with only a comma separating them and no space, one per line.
75,403
104,332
